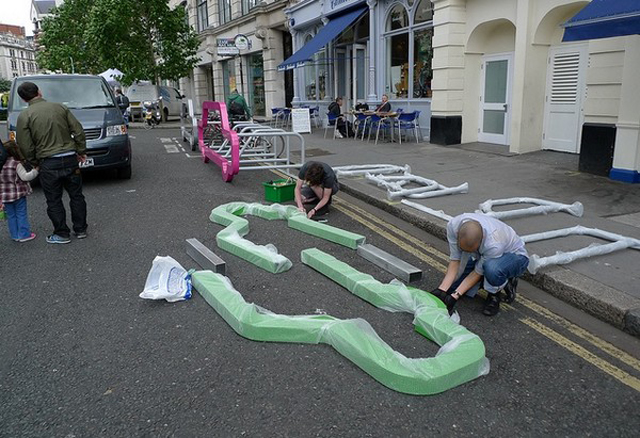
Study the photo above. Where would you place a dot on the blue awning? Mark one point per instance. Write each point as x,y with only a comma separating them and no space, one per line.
604,19
326,34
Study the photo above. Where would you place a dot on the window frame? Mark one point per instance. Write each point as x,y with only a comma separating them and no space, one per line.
411,30
224,11
202,20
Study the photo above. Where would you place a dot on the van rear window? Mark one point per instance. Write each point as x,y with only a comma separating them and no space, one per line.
73,92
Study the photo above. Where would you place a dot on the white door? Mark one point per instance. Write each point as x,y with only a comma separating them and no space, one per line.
343,75
565,91
360,69
495,101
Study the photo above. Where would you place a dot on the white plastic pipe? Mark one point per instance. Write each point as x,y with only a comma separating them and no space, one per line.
363,169
437,213
543,207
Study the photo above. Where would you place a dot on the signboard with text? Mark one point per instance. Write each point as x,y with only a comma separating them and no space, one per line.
300,120
226,47
331,6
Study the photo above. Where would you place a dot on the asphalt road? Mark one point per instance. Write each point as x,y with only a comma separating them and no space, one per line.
83,356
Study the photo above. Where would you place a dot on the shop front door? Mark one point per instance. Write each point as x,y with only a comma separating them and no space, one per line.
563,113
495,101
352,70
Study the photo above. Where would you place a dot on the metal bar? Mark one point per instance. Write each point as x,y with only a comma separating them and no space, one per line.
205,257
390,263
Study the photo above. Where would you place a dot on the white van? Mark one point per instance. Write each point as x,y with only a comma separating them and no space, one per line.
169,99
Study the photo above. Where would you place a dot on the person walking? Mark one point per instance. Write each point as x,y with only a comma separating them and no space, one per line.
50,136
123,103
14,189
482,247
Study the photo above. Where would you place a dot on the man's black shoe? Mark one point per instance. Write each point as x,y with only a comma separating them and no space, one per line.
491,304
450,302
510,290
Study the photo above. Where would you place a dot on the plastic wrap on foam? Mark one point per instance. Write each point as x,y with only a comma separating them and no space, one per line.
429,189
543,206
363,169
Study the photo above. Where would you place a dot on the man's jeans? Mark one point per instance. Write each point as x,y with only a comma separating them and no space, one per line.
496,272
17,218
63,173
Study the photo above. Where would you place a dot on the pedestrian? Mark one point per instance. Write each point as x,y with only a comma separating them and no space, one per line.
344,126
123,103
315,187
51,137
482,247
237,107
385,106
14,189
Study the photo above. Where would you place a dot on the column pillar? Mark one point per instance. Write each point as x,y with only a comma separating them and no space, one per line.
626,153
373,37
449,19
296,76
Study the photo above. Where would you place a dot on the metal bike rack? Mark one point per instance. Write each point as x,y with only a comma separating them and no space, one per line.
248,145
189,127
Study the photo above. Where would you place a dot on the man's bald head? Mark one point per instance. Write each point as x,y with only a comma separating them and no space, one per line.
470,236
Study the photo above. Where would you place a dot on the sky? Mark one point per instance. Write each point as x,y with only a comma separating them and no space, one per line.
16,12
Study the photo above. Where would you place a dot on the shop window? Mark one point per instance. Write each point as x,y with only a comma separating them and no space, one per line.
398,18
256,84
424,12
409,42
398,62
362,28
202,15
229,77
422,57
224,9
310,76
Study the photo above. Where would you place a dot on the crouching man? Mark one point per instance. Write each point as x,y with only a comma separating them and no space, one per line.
482,248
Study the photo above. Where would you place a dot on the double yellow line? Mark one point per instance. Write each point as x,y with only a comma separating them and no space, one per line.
438,260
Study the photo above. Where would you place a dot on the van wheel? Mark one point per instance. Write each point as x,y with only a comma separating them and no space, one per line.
124,172
165,113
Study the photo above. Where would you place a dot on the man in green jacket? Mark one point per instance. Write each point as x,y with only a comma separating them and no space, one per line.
237,106
51,137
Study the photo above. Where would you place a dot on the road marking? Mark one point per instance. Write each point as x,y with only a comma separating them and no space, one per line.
407,247
396,230
165,140
581,333
580,351
171,149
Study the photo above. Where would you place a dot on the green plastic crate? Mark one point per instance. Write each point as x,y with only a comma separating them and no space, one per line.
279,190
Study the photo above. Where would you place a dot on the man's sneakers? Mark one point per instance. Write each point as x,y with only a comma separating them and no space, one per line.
339,134
492,304
510,290
81,235
55,238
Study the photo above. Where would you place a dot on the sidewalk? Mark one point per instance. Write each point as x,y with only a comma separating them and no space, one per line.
604,286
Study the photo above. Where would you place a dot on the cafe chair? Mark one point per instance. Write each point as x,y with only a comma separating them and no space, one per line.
332,120
360,125
314,114
276,115
408,122
376,122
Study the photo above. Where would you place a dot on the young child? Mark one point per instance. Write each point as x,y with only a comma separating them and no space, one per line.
14,189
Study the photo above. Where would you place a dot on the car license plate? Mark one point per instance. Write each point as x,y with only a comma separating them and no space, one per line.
87,163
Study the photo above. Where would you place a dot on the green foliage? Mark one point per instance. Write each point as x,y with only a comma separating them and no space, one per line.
5,85
142,38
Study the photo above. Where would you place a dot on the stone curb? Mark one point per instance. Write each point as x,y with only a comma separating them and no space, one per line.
605,303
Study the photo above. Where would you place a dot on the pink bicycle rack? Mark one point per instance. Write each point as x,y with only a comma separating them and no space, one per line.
229,168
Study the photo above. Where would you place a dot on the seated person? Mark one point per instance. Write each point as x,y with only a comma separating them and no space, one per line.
385,106
316,185
344,126
237,108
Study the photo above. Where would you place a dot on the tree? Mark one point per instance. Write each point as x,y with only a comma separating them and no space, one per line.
142,38
5,85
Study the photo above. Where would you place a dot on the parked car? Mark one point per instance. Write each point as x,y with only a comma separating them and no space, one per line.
169,99
91,100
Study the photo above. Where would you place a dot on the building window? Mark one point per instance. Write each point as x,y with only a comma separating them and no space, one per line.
202,15
315,74
229,77
12,53
409,24
14,64
248,5
224,8
256,84
24,67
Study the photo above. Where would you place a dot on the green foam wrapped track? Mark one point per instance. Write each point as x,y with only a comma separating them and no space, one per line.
266,257
461,358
